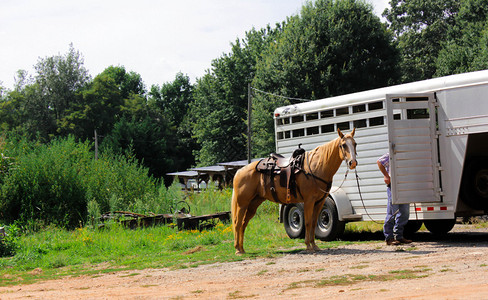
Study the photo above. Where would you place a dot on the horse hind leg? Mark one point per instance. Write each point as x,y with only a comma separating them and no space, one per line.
241,215
238,213
251,211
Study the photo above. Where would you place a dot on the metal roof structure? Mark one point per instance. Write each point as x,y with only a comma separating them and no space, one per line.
223,173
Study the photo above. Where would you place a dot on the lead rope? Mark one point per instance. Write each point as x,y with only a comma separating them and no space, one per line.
364,206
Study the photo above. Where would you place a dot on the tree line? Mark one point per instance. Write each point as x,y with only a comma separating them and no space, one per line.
331,47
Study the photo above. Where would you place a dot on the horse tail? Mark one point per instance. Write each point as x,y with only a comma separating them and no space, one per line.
233,209
234,205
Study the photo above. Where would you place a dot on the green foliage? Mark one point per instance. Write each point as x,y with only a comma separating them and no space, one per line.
148,139
9,242
331,48
53,183
210,201
45,185
172,101
466,48
420,28
219,112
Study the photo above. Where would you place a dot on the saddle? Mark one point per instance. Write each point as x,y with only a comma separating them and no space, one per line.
285,167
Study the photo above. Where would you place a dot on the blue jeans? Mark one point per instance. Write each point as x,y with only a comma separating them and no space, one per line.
393,227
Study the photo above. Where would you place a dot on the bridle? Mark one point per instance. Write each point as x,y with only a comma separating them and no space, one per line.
329,184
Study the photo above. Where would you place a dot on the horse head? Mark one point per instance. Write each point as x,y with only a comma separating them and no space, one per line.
347,146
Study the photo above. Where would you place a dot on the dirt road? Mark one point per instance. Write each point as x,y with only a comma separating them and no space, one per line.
452,267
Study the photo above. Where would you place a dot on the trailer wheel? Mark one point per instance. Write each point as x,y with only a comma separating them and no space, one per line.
328,225
474,187
412,227
440,226
294,221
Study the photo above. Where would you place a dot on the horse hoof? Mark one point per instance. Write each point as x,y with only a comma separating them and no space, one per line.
240,252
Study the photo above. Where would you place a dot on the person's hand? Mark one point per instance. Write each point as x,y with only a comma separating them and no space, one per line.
387,179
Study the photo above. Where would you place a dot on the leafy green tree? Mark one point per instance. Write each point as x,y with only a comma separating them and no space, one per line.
420,27
219,111
331,48
173,100
466,48
129,83
58,79
148,139
102,102
38,103
98,108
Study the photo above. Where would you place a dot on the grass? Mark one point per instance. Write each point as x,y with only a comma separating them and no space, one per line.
56,252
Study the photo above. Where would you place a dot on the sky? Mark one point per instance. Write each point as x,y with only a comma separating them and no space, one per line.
155,38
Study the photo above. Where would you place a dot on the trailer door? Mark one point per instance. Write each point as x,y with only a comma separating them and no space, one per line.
414,163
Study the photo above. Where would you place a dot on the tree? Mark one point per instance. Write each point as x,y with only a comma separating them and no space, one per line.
58,79
466,48
40,102
98,109
331,48
148,139
219,111
173,100
420,27
101,103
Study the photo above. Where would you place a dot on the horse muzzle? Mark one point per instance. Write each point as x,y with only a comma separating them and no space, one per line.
352,164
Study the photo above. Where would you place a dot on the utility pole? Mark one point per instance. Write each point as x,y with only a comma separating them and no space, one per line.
249,111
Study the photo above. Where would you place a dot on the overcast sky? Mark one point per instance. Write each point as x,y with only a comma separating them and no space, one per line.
156,39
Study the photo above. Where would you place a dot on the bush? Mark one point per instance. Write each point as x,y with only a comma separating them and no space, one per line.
53,183
45,184
8,243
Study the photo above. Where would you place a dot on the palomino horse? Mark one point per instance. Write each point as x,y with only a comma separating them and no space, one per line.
313,183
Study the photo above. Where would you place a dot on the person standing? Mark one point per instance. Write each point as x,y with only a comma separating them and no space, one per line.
396,214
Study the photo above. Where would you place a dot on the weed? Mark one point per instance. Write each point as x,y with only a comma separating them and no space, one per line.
359,267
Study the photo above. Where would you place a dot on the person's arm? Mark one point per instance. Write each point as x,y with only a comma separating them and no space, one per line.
386,176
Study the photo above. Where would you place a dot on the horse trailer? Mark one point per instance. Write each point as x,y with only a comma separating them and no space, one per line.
436,132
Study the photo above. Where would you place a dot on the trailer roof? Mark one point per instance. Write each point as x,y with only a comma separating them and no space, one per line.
424,86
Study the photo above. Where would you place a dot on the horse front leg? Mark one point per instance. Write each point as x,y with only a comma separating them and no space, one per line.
308,211
316,212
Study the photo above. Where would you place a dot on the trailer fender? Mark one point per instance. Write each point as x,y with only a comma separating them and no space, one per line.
344,207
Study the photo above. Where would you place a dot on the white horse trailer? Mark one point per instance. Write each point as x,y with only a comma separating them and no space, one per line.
436,132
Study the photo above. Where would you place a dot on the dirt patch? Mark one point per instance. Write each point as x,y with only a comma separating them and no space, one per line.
454,267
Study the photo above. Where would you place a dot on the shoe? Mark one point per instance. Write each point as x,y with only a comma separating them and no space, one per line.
390,242
404,241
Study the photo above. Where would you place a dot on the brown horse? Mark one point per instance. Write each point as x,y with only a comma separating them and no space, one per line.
313,183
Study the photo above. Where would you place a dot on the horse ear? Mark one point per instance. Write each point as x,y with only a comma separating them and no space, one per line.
340,133
353,131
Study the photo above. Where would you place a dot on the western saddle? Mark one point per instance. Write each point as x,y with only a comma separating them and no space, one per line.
286,168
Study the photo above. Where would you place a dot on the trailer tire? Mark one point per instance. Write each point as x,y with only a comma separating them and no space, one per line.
294,221
440,226
474,187
328,225
412,227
